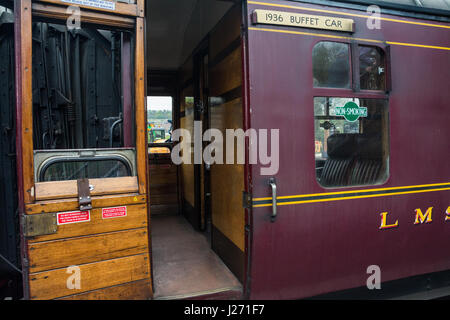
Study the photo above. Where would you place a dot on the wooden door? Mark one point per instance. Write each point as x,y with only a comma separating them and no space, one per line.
201,114
84,238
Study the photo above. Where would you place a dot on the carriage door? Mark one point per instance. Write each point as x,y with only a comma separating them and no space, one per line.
201,115
328,100
82,151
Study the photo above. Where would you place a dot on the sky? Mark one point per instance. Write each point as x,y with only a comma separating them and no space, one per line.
159,103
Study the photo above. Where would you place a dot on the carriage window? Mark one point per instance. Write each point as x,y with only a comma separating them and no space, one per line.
82,101
159,122
371,68
351,141
73,169
60,165
159,118
331,65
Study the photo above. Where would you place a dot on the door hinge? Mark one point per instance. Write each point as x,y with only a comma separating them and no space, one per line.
25,262
39,224
246,200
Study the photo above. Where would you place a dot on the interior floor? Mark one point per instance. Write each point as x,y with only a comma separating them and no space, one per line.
184,265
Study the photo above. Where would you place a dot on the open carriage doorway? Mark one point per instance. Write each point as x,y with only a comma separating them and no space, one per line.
194,81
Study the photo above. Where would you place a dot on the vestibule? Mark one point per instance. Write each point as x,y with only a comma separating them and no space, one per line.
194,56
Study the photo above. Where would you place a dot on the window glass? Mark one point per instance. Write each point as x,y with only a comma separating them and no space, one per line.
435,4
331,65
81,102
78,89
159,122
371,68
351,141
60,165
81,168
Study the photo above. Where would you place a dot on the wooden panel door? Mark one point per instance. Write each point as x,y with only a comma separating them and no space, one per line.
68,251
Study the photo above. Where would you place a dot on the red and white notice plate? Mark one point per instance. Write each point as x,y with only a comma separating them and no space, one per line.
116,212
73,217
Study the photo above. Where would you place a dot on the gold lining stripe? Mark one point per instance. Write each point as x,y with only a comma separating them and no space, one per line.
416,45
349,14
347,198
356,191
349,38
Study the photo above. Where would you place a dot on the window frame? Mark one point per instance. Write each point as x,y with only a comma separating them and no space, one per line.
168,145
128,72
26,12
43,159
353,92
355,87
350,66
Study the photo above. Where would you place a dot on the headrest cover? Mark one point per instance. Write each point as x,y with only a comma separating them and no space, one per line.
348,145
369,146
341,145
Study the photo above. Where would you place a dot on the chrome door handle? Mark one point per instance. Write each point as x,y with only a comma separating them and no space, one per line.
273,185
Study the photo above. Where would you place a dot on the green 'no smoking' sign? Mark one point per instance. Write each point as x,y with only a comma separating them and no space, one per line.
351,111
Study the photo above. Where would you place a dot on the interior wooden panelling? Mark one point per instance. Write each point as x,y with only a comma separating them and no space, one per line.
164,198
227,181
227,31
68,189
187,122
186,72
163,187
53,284
163,181
227,74
224,77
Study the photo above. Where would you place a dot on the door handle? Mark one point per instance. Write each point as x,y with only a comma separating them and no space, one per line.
273,185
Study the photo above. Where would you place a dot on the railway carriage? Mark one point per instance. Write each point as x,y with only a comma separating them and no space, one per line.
343,184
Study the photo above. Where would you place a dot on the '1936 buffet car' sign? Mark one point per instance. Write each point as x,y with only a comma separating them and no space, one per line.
302,20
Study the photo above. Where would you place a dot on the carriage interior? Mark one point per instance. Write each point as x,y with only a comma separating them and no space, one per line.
194,57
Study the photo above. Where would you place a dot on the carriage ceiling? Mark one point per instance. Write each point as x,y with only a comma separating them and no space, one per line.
175,27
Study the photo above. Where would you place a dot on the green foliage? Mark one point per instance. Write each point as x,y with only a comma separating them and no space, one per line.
159,114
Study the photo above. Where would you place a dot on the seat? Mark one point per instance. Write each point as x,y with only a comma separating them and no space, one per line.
368,161
341,149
